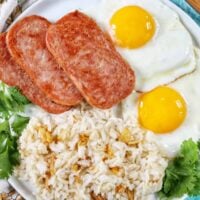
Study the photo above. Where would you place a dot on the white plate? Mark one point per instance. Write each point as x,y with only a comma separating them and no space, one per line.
53,10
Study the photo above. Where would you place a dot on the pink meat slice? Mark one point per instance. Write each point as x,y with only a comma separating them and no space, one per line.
13,75
26,44
90,59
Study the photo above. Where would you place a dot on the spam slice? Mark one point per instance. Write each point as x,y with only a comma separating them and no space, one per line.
13,75
89,58
26,43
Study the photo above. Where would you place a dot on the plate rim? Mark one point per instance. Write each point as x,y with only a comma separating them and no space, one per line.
189,24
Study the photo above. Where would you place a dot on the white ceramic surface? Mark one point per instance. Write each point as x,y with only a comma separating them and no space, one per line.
53,10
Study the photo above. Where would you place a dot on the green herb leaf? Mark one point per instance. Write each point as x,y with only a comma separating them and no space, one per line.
20,123
17,96
4,127
14,158
5,105
182,175
189,152
11,103
196,190
185,185
5,165
198,143
3,142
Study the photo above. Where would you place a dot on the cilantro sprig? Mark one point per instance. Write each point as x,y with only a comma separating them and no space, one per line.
182,175
12,123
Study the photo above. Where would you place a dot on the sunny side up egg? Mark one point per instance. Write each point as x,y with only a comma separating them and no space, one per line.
150,37
177,118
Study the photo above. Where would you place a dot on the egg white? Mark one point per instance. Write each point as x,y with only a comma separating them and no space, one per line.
163,59
189,87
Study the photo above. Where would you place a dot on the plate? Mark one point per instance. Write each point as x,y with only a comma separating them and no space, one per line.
53,10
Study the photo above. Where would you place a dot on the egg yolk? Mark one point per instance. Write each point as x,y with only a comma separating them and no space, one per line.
161,110
132,26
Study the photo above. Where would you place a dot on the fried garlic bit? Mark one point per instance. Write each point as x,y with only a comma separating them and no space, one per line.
83,139
45,135
127,137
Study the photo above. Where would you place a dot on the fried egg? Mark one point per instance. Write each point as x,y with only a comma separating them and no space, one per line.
150,36
162,101
170,113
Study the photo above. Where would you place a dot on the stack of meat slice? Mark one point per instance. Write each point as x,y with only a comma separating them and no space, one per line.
13,75
57,65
